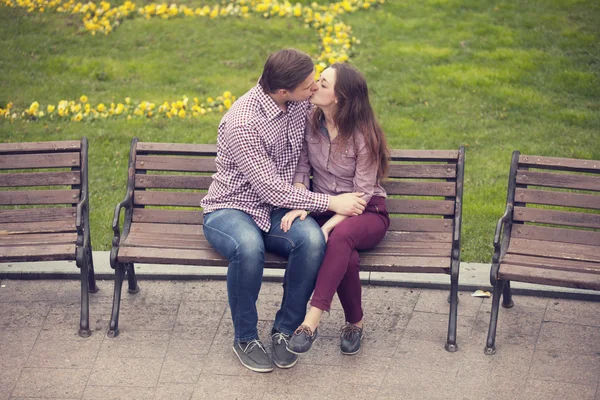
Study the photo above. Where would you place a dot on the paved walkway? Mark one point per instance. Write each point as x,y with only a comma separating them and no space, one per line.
175,343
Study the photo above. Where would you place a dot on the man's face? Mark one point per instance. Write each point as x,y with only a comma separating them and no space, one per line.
304,90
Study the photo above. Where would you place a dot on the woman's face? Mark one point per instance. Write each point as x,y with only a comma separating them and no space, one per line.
325,96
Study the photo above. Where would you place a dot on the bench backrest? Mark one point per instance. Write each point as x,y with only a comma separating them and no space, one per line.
161,170
40,185
555,199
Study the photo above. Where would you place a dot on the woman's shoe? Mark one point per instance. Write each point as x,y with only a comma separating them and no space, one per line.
350,336
302,340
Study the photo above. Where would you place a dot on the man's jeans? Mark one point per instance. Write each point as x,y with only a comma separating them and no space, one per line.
235,235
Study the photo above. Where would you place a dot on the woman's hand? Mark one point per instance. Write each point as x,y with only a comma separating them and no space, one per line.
326,231
290,216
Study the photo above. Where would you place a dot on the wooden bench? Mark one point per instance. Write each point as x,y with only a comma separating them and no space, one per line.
547,235
44,208
154,234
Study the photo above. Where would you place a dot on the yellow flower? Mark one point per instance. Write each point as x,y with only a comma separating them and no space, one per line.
77,117
83,99
210,100
101,107
51,109
227,94
127,100
227,103
181,113
119,109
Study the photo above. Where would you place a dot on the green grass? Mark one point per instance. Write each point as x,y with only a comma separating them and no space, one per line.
491,75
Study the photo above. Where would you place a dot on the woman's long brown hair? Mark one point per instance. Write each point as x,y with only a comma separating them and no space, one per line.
354,114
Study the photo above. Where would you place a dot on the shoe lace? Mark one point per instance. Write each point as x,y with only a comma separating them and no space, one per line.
349,330
278,336
252,344
305,329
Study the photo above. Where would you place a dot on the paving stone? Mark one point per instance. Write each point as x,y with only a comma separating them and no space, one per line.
17,342
221,360
517,326
580,369
305,379
117,393
56,291
324,351
148,317
154,292
205,315
573,312
62,321
23,314
173,391
179,345
569,338
506,369
61,354
114,371
206,291
434,327
436,301
137,344
51,382
545,390
9,374
409,380
228,387
182,368
427,355
363,370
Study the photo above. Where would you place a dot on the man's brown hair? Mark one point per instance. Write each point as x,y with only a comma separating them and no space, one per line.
285,69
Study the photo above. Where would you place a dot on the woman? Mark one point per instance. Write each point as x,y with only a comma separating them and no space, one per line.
345,150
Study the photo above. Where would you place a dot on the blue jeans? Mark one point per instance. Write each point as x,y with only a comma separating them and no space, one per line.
235,235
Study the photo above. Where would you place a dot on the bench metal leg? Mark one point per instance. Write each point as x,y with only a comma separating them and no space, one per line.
131,279
93,288
84,320
451,345
507,301
490,347
113,329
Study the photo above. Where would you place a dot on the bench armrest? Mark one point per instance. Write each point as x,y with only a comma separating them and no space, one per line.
82,223
507,217
125,204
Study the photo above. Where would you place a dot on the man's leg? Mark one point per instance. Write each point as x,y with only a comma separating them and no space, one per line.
235,235
304,246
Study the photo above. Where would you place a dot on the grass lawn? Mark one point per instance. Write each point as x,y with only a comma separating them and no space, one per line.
491,75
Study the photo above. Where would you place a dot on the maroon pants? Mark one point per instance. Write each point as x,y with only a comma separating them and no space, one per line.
341,265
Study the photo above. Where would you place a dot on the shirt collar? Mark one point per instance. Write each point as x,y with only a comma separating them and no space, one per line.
271,108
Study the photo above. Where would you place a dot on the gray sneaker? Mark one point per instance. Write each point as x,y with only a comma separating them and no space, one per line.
281,356
253,356
350,336
302,340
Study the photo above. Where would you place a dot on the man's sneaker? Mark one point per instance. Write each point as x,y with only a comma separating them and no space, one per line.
253,356
301,340
281,356
350,336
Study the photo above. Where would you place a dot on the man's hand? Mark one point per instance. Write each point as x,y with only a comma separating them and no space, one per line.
300,185
290,216
349,204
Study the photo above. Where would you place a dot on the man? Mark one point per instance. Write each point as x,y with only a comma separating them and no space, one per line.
258,147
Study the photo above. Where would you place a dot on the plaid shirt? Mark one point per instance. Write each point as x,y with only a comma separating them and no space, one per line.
258,147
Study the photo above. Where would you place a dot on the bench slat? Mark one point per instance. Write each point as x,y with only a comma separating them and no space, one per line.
574,236
37,238
185,199
420,188
40,147
23,197
386,263
565,164
425,171
552,263
181,164
172,181
166,229
404,237
583,220
37,214
37,227
40,179
554,249
52,160
566,181
421,207
176,148
37,253
421,224
149,255
564,199
168,216
548,277
423,155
